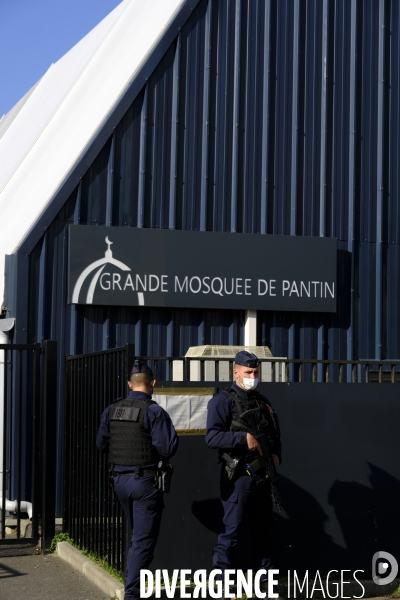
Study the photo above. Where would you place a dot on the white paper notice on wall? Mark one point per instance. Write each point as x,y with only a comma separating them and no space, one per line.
188,412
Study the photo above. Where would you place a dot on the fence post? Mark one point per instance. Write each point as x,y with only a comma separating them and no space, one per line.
36,442
129,358
48,513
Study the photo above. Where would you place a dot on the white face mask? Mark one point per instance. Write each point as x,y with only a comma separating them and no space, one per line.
248,383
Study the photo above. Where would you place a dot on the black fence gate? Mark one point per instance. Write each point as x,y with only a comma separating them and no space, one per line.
91,517
19,400
27,442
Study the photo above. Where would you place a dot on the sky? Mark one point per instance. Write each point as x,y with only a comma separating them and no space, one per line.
36,33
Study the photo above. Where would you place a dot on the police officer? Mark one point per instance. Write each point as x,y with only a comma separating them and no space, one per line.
137,433
245,492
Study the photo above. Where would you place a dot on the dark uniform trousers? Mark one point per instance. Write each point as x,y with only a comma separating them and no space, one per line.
247,508
143,505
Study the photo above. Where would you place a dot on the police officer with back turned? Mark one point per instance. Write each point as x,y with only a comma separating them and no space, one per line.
243,426
138,435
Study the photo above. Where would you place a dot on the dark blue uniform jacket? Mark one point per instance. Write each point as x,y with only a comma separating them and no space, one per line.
156,421
219,417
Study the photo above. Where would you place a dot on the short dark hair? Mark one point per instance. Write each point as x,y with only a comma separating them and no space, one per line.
141,379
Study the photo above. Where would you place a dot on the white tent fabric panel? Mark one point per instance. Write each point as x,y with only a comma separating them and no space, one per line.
7,119
67,109
51,92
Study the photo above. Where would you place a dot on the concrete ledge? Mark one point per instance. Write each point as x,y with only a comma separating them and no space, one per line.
81,563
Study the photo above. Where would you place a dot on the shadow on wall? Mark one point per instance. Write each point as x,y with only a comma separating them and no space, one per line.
300,538
368,516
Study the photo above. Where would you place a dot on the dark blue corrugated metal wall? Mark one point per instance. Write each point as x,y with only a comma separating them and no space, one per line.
264,116
275,116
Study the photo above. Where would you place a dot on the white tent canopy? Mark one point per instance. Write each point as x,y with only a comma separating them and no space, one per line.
46,134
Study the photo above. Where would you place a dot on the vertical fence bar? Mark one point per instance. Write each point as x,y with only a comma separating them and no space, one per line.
187,368
74,450
89,443
95,458
82,470
103,491
77,471
86,443
113,504
5,429
170,370
107,495
129,358
67,449
49,442
110,508
35,442
18,444
111,513
116,386
155,369
314,372
73,436
101,463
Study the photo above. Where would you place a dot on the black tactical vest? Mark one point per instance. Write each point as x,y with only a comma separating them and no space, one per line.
129,444
255,412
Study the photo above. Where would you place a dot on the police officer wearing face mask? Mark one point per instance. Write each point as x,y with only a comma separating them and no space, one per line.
137,434
245,492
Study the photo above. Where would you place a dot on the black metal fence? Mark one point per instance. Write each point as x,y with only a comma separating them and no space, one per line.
275,370
93,520
19,440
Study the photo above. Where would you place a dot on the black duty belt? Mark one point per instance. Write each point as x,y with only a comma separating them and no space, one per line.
140,472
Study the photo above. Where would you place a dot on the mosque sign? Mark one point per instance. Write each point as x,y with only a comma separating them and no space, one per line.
192,269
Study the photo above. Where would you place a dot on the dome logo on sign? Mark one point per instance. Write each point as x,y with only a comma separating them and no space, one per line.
101,263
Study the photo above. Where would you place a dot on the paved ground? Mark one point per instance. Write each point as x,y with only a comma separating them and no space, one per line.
26,576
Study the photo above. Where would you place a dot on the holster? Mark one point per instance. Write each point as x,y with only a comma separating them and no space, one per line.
232,465
111,482
164,476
